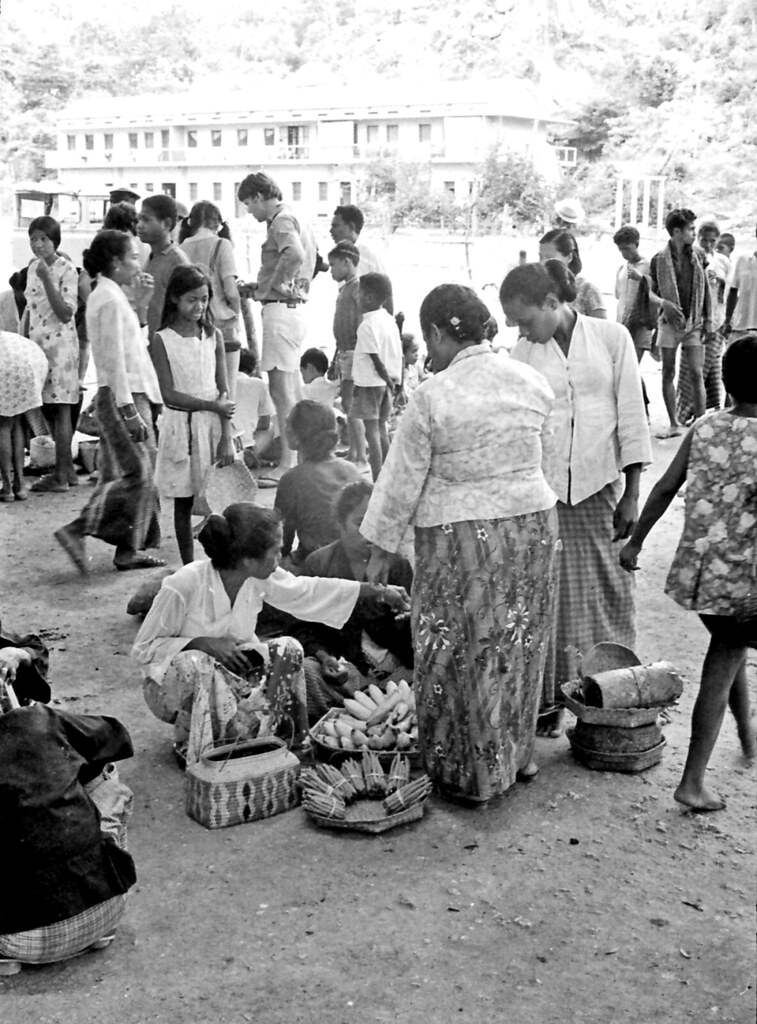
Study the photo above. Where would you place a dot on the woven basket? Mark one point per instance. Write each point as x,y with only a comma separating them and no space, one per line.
242,782
616,762
225,485
335,756
369,816
628,718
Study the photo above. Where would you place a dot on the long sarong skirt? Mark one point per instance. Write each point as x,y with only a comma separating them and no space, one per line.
123,508
482,614
595,595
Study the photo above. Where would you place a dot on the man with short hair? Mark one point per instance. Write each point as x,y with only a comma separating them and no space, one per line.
628,281
124,194
346,226
344,259
741,300
287,263
679,285
156,221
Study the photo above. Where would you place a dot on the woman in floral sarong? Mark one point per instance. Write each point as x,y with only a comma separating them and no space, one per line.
205,670
465,469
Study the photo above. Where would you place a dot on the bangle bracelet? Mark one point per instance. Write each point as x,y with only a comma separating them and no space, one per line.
135,416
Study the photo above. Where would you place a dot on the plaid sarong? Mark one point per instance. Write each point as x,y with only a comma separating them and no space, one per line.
64,939
123,508
595,599
713,380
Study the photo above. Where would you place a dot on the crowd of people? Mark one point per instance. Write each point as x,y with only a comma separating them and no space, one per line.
457,519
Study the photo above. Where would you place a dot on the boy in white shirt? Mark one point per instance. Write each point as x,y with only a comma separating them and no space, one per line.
376,368
254,409
314,365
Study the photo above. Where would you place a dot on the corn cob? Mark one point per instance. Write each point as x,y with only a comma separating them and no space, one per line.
326,807
398,774
408,795
341,784
352,770
373,773
323,789
310,779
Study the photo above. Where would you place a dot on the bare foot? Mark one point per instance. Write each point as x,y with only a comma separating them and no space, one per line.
748,739
73,544
671,431
528,772
551,724
698,801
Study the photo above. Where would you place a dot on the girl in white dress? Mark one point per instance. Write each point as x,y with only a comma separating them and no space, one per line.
195,427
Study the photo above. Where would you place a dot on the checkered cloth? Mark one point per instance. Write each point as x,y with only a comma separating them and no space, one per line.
595,596
712,373
64,939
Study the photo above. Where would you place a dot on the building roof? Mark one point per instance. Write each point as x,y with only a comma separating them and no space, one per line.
379,98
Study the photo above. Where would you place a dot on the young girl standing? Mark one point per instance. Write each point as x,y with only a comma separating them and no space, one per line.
195,428
714,570
51,292
205,238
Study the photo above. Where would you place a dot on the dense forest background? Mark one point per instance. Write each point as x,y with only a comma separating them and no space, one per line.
668,86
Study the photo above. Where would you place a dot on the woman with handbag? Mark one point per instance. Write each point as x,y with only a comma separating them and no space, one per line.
714,570
205,238
205,669
123,509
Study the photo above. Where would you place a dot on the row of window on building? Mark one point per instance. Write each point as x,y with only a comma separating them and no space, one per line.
296,135
323,192
219,193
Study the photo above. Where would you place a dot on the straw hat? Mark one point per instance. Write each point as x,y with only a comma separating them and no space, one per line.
569,210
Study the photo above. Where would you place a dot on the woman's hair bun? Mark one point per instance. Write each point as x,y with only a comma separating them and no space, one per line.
563,280
215,536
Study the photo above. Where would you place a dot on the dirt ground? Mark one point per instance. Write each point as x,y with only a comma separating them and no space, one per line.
580,897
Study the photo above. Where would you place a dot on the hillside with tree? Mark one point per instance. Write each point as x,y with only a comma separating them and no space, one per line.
662,88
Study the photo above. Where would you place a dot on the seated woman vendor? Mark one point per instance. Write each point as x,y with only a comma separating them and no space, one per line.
62,814
205,670
374,642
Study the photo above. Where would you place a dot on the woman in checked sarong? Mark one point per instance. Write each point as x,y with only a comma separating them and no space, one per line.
465,470
601,432
123,510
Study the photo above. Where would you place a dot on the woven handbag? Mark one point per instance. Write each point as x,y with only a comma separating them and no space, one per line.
241,782
225,485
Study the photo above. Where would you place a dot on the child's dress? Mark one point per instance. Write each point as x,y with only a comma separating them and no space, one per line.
188,440
712,570
57,340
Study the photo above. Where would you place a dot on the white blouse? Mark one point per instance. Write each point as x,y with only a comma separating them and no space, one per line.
598,419
118,346
193,602
469,446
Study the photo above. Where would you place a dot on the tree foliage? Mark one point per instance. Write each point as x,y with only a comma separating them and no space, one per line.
511,192
663,86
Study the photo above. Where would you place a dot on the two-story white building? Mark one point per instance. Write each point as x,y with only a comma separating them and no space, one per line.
317,142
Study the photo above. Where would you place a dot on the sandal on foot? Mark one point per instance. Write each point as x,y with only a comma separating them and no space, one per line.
140,561
74,548
266,483
48,483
